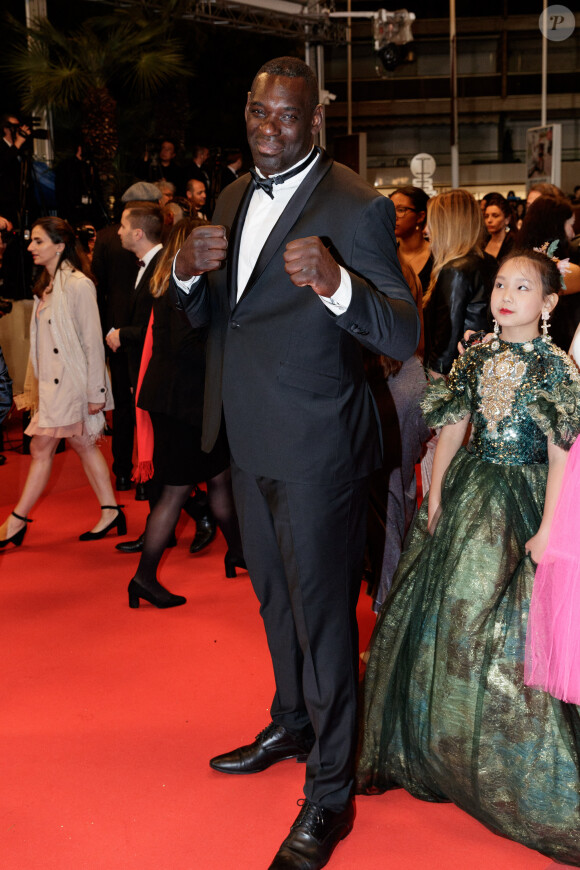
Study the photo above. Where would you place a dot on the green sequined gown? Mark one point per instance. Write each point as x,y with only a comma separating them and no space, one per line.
446,713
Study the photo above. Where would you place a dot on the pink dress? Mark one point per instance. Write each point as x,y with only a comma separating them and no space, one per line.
553,635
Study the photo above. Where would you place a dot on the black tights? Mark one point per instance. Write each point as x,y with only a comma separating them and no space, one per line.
166,506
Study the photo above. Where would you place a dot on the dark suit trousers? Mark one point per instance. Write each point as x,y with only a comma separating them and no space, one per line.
123,415
304,547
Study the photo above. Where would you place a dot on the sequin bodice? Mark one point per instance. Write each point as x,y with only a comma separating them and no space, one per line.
501,389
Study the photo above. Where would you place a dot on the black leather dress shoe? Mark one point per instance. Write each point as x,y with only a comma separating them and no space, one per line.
122,483
273,744
131,546
313,837
204,534
140,492
137,546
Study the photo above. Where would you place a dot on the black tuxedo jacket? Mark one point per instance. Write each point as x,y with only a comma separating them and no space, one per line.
115,270
287,371
132,336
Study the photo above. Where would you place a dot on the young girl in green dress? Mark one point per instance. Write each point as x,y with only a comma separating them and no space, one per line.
447,715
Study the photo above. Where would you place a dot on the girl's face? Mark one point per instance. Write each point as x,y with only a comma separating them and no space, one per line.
44,251
517,300
495,220
406,214
569,228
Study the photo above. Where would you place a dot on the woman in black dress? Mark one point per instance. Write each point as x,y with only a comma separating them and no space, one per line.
499,224
171,392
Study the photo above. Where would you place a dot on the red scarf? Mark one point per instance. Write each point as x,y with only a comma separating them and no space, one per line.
144,469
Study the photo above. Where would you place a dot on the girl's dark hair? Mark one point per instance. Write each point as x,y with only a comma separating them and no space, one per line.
545,268
417,196
544,222
61,232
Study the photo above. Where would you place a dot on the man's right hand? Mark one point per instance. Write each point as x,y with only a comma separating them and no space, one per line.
204,250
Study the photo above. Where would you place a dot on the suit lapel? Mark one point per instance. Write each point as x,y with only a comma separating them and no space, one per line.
286,220
235,237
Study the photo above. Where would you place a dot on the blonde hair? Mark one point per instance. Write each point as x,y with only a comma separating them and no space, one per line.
177,236
455,228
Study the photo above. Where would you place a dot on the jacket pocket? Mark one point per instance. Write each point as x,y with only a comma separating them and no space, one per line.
305,379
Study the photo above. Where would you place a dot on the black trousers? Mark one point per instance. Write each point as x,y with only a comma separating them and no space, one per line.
304,547
123,416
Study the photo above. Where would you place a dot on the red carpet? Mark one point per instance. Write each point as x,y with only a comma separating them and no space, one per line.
109,716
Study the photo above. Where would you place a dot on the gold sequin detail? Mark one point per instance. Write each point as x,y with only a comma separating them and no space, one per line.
502,375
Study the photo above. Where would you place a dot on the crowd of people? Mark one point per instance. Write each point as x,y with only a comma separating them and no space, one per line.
285,367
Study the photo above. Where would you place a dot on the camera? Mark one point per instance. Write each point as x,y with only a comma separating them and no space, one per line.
6,236
33,125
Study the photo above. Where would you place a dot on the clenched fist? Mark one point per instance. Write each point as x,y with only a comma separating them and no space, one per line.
309,263
204,250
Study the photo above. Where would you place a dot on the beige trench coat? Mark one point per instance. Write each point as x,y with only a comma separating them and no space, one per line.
59,401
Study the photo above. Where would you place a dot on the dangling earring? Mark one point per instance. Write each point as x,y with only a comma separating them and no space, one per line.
545,324
496,332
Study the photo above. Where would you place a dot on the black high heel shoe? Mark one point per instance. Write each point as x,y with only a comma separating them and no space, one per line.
162,598
120,523
231,562
17,538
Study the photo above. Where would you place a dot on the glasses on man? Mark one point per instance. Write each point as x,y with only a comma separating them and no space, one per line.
402,210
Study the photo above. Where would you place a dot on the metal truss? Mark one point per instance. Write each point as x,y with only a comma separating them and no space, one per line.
304,24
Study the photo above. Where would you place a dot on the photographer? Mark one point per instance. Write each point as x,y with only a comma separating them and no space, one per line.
14,136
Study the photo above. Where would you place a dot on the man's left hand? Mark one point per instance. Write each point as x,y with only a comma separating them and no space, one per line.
113,340
309,263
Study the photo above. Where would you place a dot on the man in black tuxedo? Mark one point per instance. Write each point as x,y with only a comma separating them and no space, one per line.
116,269
298,275
140,232
231,170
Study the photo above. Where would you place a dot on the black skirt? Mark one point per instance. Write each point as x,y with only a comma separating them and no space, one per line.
177,455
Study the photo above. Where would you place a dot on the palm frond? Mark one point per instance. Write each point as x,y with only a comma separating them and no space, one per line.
156,67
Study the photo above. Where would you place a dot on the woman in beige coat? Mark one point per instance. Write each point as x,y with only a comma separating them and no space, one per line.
68,361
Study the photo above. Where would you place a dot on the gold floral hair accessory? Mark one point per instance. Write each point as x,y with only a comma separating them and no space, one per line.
563,266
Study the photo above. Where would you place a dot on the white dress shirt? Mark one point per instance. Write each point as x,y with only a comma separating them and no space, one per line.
146,259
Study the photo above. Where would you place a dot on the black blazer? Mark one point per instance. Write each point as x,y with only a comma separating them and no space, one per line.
132,336
287,371
115,270
174,381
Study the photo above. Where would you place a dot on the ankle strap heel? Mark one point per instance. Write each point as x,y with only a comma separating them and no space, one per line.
18,517
17,538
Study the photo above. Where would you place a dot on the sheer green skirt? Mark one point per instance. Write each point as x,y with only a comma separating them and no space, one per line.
446,712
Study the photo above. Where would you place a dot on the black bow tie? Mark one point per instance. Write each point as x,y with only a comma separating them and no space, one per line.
267,184
141,264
